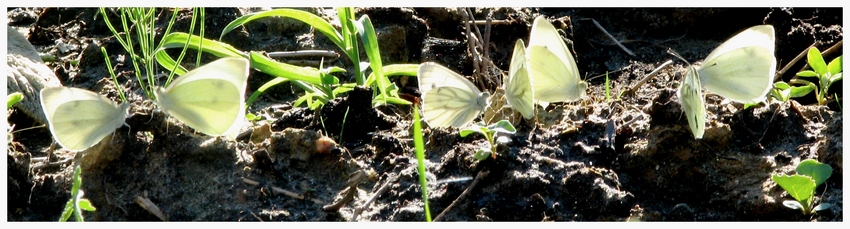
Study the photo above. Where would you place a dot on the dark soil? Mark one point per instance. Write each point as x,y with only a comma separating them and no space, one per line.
563,168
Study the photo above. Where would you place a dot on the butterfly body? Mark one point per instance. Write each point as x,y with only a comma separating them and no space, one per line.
210,98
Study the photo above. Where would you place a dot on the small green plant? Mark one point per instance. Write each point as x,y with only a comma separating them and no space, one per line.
419,146
490,132
784,91
346,39
801,186
827,74
77,203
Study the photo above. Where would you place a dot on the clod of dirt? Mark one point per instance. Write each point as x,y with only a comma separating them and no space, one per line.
300,144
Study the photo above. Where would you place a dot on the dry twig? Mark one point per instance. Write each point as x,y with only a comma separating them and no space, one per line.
277,190
374,197
612,37
465,192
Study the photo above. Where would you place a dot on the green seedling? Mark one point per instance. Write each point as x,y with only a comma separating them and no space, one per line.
346,39
419,146
784,91
139,31
827,74
320,94
801,186
490,132
77,203
13,99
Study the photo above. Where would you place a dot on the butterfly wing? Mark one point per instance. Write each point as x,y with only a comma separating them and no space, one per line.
550,85
693,102
448,99
518,89
79,119
742,68
552,67
209,98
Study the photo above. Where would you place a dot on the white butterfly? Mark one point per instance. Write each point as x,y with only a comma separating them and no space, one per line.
209,98
448,99
693,102
741,69
518,89
551,66
78,118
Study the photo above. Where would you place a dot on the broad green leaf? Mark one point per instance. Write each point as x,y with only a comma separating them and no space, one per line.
816,61
503,126
798,186
818,171
800,91
835,65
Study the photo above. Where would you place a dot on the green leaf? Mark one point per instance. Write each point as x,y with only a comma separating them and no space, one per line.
781,85
465,132
503,126
85,204
800,91
314,21
482,154
419,147
13,99
793,204
271,67
67,211
395,70
821,207
818,171
835,65
808,73
836,77
816,61
798,186
263,88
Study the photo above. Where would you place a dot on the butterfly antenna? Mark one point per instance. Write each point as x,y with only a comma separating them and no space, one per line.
674,53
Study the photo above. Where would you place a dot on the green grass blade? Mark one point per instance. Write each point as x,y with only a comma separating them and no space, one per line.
420,158
395,70
314,21
370,45
263,88
271,67
345,15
